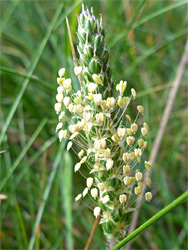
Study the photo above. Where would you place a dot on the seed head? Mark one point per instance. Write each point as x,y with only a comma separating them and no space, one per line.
108,137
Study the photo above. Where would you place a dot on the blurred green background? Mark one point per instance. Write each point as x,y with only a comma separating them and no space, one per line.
146,39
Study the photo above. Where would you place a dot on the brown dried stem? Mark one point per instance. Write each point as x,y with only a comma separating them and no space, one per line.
92,233
74,54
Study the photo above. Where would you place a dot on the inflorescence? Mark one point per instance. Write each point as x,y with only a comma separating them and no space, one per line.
111,142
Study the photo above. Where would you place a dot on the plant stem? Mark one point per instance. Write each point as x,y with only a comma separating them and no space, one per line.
92,233
153,219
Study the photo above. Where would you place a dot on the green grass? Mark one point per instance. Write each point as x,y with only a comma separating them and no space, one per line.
146,40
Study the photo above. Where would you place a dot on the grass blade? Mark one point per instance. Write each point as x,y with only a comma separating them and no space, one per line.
146,19
24,234
30,72
155,48
66,190
152,220
22,154
46,194
34,78
8,15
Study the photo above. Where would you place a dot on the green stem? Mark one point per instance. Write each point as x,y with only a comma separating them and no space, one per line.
153,219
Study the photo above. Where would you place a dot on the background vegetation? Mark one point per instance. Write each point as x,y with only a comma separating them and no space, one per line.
146,39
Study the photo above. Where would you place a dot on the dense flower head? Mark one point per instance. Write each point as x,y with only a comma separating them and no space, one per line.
111,141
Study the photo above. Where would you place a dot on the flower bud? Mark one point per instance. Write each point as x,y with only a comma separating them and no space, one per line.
61,72
107,153
92,87
126,157
146,126
127,180
94,192
72,128
109,164
138,190
97,98
147,164
97,211
140,184
78,70
61,115
138,152
105,199
59,98
133,92
144,131
145,145
121,87
58,107
77,167
134,127
133,156
85,192
128,131
128,118
73,135
67,84
111,102
71,108
99,117
130,140
60,89
97,79
101,186
139,176
79,109
78,100
87,116
104,104
120,101
126,100
89,182
148,181
83,159
123,198
66,101
78,197
126,169
62,134
69,145
140,143
148,196
121,132
60,80
115,138
81,153
59,126
140,109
